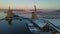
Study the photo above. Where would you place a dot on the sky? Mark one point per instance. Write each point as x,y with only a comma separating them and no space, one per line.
29,4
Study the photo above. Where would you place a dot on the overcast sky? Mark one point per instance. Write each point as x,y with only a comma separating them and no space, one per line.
28,4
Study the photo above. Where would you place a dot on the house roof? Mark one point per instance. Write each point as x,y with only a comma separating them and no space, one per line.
39,22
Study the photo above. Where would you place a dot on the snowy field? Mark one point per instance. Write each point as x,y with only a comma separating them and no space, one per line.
55,21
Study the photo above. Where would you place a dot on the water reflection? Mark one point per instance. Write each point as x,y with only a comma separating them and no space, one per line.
10,22
18,27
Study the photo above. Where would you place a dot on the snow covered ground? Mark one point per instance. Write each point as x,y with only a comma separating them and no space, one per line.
2,15
54,21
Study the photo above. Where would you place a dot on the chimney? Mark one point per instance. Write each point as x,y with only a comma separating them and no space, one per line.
34,14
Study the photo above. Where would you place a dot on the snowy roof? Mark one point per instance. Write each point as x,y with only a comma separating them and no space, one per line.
40,23
56,22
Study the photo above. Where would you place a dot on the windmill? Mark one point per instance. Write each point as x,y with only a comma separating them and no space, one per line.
9,15
34,14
